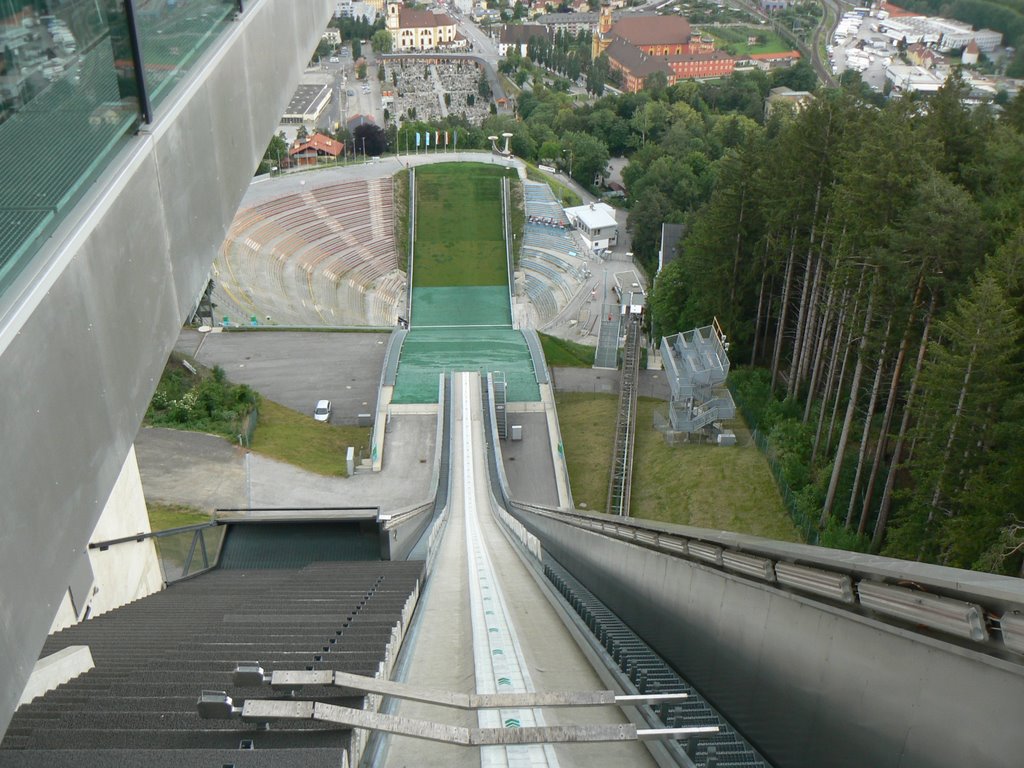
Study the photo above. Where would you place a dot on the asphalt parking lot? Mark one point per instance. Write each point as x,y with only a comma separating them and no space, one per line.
297,369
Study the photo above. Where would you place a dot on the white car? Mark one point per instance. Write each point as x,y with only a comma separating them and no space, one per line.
322,412
334,59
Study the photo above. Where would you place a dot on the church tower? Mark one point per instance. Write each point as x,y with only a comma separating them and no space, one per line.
391,23
603,37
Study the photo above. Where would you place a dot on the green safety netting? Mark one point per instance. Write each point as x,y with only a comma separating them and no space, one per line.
477,305
427,352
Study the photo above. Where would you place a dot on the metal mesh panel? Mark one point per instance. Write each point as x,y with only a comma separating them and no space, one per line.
475,305
428,352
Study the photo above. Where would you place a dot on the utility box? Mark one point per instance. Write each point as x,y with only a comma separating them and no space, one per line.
350,461
727,437
364,419
516,432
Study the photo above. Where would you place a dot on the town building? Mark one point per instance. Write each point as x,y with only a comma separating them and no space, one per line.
796,100
353,9
596,223
573,23
971,53
307,104
769,61
907,78
315,147
944,34
413,29
517,37
923,56
641,45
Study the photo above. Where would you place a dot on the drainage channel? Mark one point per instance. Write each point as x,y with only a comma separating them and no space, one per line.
498,659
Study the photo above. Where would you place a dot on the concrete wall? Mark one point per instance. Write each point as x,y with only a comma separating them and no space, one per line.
85,331
125,572
810,685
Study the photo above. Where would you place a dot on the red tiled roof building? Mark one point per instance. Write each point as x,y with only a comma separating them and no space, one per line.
638,46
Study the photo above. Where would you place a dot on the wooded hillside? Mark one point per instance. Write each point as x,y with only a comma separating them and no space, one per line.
871,262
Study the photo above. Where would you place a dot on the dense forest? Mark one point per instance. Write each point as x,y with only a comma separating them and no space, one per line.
869,265
867,260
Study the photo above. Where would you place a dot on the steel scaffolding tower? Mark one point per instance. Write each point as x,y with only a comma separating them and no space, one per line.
697,364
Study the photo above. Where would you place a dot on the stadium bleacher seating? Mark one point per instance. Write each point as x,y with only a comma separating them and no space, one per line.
550,255
325,256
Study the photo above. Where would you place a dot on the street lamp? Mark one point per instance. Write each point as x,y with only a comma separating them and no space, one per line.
570,160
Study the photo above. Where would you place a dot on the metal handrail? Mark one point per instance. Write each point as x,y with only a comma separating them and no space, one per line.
142,535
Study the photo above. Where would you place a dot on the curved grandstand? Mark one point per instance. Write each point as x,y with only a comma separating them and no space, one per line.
323,256
550,260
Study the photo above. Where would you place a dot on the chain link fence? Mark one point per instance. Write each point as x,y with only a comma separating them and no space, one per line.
807,526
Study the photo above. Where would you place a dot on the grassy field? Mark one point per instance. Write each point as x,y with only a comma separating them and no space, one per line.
734,40
165,516
564,193
401,201
173,550
290,436
458,223
728,489
561,353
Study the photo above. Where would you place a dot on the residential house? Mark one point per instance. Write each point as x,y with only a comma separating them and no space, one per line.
315,147
517,36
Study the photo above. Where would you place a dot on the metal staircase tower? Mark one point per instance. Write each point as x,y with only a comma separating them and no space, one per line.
696,365
625,424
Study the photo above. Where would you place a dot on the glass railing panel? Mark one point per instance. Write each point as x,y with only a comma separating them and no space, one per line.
63,112
174,33
69,99
186,552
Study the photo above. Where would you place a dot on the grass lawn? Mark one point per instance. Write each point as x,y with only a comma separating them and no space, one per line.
164,516
587,423
459,234
564,193
173,550
294,437
729,489
401,202
734,40
562,353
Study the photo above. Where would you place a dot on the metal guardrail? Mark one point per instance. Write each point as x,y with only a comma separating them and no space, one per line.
912,596
198,543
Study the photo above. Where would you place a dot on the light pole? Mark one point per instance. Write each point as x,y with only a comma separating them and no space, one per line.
570,160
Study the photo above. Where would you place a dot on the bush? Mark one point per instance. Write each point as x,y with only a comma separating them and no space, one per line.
204,402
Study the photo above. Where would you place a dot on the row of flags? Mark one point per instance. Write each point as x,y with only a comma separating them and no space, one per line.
438,135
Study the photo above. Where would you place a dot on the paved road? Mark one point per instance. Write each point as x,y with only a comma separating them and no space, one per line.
297,369
602,381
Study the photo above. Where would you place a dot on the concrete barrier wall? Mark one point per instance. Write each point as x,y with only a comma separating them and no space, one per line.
85,331
809,684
